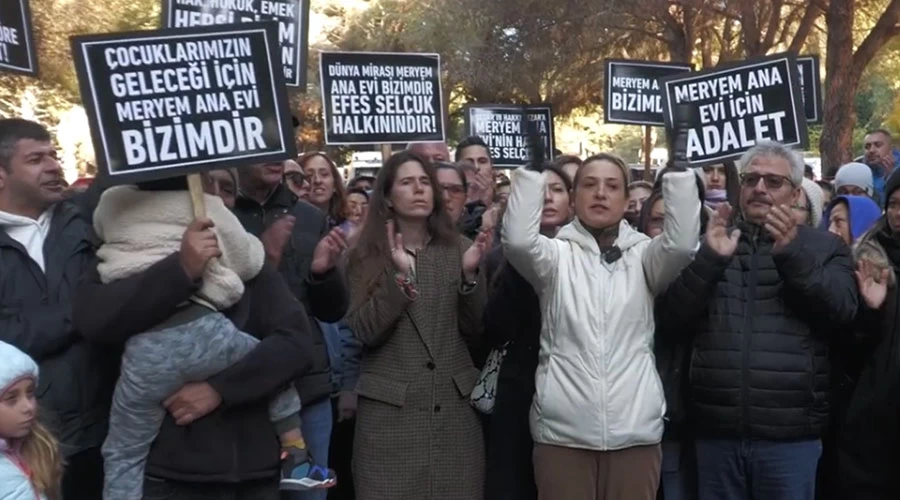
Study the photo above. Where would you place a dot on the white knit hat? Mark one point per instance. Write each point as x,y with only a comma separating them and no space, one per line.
854,174
816,201
14,366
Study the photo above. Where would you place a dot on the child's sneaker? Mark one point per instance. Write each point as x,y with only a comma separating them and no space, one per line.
299,473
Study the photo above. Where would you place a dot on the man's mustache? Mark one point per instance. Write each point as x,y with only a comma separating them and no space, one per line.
760,199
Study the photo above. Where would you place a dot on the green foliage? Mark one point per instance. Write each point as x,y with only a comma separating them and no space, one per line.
508,51
55,21
874,101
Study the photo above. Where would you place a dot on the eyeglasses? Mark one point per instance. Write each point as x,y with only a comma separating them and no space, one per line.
454,189
773,181
214,183
800,208
296,178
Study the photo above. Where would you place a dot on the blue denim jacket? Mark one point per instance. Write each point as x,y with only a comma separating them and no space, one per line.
344,353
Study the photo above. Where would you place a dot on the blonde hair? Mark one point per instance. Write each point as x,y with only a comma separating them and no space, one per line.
40,452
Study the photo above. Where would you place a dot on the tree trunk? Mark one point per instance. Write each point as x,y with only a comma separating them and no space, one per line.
844,69
840,86
706,49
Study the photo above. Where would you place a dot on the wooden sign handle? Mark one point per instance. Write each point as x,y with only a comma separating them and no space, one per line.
195,186
648,147
386,151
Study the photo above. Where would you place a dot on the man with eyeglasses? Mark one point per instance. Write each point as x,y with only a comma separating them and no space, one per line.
296,180
760,302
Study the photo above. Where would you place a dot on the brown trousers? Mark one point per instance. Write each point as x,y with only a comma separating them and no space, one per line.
575,474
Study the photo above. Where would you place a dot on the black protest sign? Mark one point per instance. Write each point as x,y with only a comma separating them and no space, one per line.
501,128
172,102
633,91
292,17
810,87
381,98
18,53
723,112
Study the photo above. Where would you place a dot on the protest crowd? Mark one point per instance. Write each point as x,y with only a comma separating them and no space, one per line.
217,316
656,340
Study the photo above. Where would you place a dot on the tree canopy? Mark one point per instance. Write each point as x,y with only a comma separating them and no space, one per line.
533,51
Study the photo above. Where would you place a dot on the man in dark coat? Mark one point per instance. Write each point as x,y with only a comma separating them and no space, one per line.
217,439
45,247
301,245
761,303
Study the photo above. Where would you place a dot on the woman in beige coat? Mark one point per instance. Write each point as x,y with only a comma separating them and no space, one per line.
416,299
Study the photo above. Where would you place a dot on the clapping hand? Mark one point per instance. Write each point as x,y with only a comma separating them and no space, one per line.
328,251
482,187
472,258
717,237
398,252
276,237
781,225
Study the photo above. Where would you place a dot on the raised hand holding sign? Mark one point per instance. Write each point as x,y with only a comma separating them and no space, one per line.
174,102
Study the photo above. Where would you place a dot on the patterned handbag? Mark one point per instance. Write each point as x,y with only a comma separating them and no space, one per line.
484,394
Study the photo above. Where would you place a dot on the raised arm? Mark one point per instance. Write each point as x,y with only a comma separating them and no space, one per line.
112,313
242,252
374,313
535,256
329,297
471,299
685,300
826,287
672,250
284,353
328,294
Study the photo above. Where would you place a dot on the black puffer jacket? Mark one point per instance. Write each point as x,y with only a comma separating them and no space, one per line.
77,376
760,325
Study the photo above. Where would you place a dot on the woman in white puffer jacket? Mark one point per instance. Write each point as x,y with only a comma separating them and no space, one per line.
597,417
